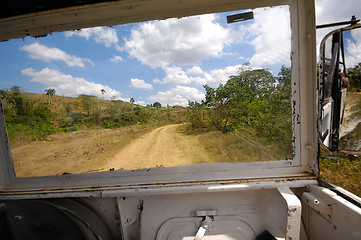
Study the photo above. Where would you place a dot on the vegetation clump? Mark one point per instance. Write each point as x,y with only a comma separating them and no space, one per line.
253,102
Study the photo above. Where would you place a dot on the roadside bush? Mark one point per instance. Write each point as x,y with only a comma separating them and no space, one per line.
254,101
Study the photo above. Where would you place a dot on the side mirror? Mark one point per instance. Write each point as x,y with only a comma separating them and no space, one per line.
337,112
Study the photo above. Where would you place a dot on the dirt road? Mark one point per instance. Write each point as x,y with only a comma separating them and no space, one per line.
104,149
166,146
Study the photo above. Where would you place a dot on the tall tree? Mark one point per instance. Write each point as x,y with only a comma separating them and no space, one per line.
284,76
50,92
88,102
131,100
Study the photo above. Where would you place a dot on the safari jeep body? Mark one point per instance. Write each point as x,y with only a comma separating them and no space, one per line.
264,200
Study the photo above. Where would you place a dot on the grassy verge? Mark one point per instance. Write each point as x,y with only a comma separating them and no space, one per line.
74,152
241,147
344,173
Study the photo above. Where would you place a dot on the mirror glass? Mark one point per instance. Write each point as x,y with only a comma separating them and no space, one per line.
340,90
154,94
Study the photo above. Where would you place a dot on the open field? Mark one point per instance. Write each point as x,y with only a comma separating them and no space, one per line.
134,147
72,152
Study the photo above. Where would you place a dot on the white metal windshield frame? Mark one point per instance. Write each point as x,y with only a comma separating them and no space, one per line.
304,162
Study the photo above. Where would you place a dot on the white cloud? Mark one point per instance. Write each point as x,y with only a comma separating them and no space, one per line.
178,95
174,76
328,11
182,41
270,35
138,83
67,85
195,75
46,54
331,11
195,71
102,35
353,47
116,59
141,103
222,75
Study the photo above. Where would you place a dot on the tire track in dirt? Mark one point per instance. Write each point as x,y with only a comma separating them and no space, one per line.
166,146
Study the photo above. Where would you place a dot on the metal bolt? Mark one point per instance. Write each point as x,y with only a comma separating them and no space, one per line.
205,225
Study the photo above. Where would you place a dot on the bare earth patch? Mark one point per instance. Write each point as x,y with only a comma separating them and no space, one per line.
166,146
74,152
104,149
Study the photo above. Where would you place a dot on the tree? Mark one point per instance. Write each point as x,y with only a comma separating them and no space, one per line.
157,105
15,89
355,76
131,100
103,92
3,93
284,76
50,92
88,102
239,101
249,100
21,104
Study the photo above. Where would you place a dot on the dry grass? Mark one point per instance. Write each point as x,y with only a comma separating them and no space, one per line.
241,147
344,173
74,152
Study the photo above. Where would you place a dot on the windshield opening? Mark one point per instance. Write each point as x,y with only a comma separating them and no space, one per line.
159,94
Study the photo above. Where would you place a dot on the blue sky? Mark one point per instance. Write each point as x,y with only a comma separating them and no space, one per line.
165,61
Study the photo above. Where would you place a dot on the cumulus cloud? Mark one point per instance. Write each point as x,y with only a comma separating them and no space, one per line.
353,47
217,76
174,76
46,54
195,75
184,41
67,85
270,35
195,70
330,11
116,59
178,95
102,35
138,83
142,103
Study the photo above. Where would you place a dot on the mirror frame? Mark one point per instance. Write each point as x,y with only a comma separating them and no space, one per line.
334,123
